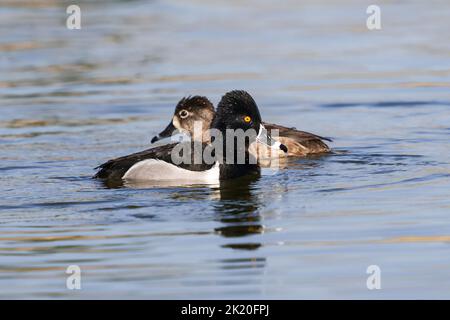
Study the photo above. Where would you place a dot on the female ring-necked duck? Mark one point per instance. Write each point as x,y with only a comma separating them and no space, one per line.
199,109
236,110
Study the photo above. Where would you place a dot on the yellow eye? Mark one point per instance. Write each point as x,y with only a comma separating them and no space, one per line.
247,119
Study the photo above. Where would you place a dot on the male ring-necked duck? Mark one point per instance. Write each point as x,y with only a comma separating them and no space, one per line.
199,109
236,110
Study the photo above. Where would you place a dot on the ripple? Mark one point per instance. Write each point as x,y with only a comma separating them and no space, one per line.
26,123
386,104
409,181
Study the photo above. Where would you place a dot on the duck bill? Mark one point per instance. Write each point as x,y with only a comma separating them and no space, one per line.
265,138
167,132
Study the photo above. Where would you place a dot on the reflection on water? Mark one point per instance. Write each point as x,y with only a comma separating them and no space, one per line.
69,100
238,211
233,202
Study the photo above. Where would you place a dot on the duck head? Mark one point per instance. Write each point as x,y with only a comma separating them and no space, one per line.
190,113
238,110
238,124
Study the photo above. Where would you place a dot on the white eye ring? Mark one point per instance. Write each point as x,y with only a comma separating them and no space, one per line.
183,114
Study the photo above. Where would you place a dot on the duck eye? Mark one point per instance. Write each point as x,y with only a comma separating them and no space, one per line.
183,114
247,119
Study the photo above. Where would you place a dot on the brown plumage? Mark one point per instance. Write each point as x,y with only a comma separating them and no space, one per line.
299,143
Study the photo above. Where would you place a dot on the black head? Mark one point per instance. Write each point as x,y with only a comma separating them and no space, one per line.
187,112
237,110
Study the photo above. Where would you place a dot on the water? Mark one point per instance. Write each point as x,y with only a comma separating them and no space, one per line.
71,100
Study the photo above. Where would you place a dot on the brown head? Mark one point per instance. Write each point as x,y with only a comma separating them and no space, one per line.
190,112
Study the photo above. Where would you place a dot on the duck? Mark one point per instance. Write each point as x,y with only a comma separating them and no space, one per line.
199,109
237,110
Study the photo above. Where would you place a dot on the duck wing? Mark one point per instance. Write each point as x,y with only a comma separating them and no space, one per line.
293,133
299,143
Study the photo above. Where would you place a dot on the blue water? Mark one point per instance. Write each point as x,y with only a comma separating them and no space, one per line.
72,99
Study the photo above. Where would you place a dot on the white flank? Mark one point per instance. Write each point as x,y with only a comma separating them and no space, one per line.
153,169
